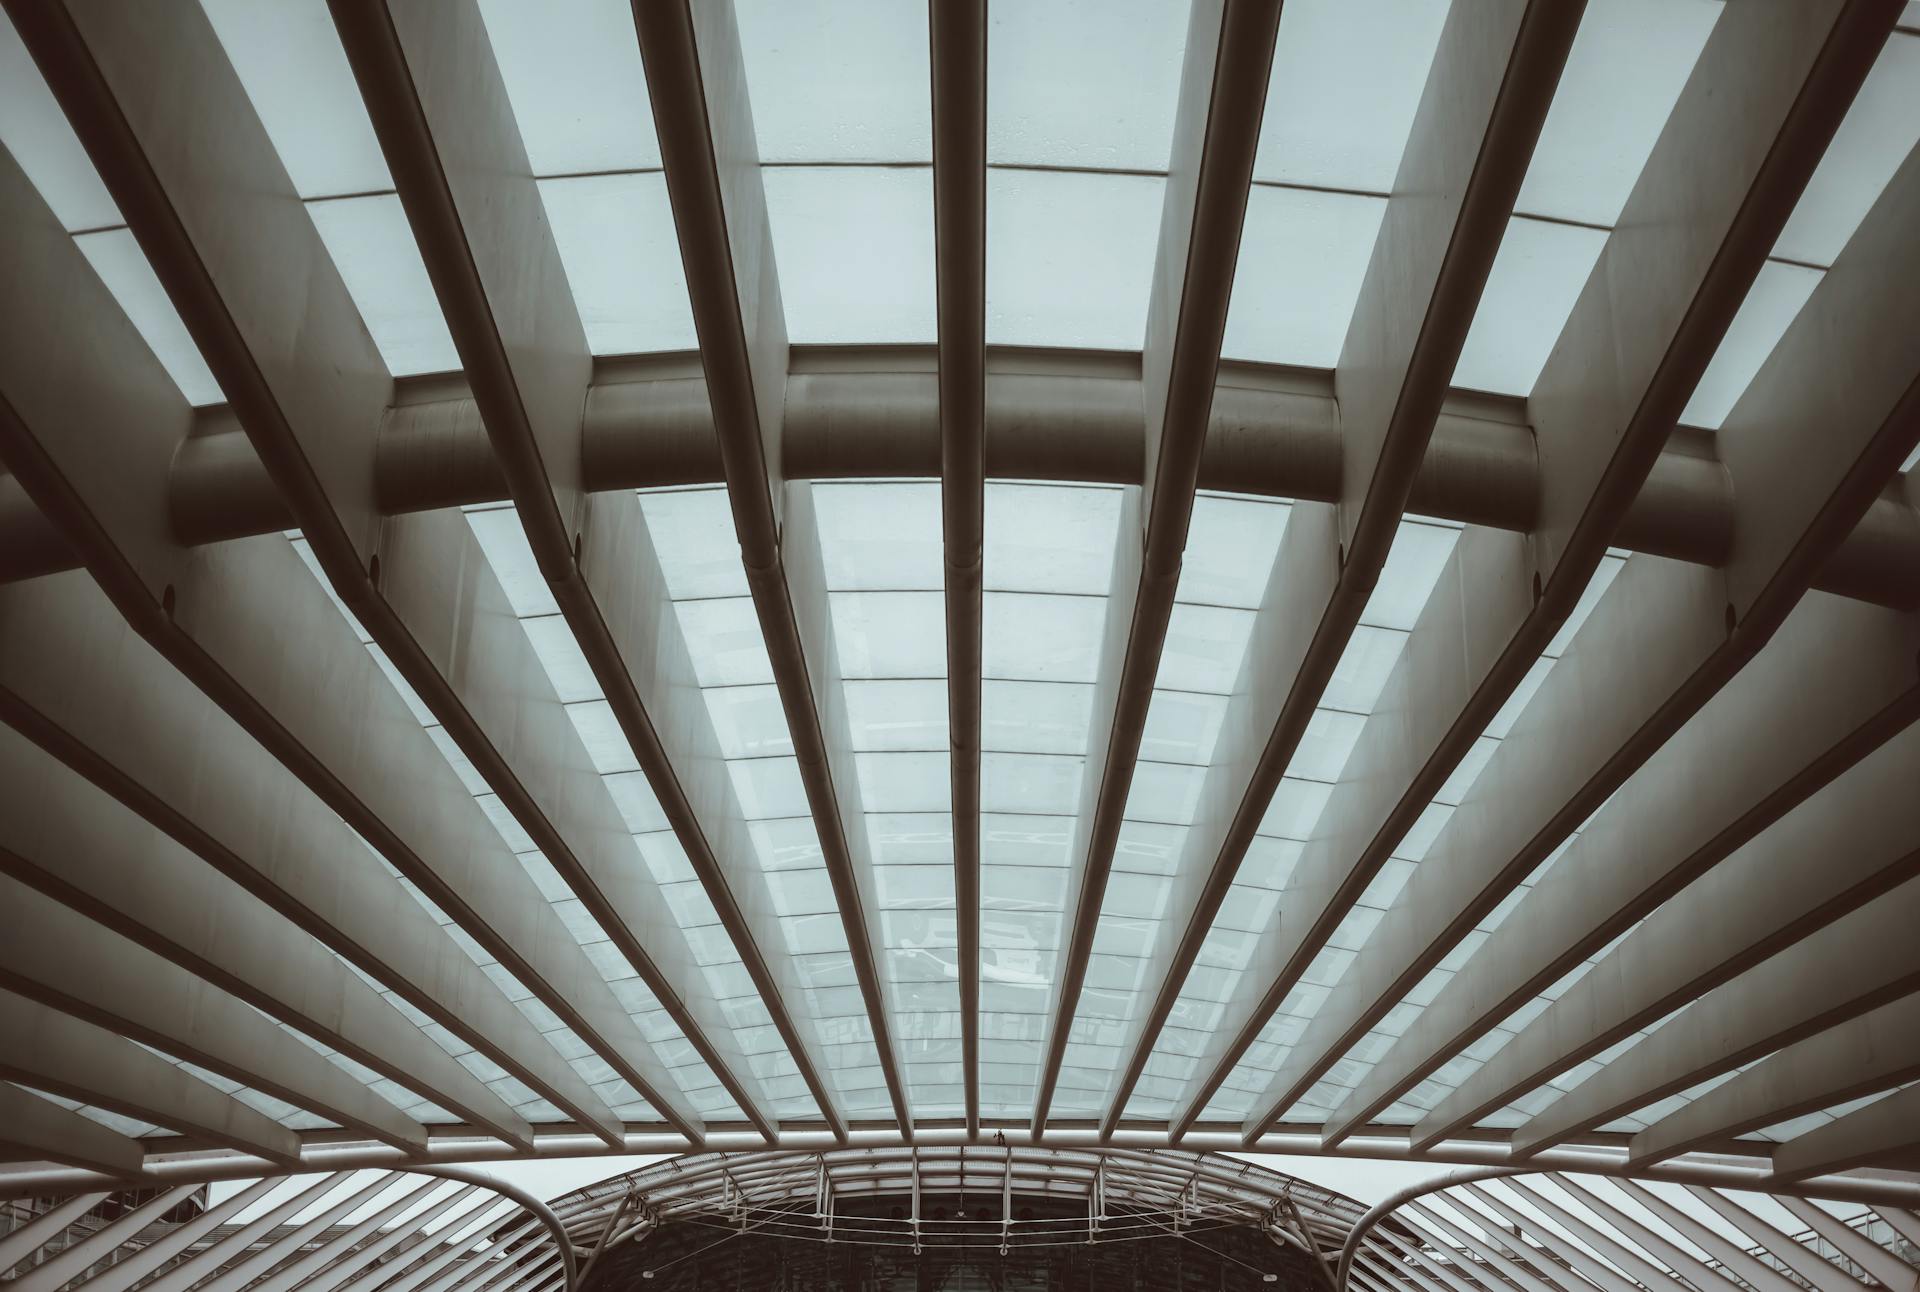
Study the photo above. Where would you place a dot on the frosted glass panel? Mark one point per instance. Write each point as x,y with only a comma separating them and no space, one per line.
838,80
574,77
1771,305
372,246
897,715
880,535
1049,538
1881,127
1302,259
1070,257
288,57
1537,276
855,250
1230,549
1347,79
36,132
1413,565
890,634
1034,638
1035,717
692,531
116,257
1629,62
622,258
1089,83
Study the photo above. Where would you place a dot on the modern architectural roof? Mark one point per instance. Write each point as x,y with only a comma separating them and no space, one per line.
1337,577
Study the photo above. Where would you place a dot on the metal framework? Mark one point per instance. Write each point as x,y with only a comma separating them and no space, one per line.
309,858
1502,1228
400,1231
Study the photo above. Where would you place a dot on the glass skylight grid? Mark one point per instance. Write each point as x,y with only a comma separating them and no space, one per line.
1353,1067
1346,82
1230,550
692,531
1048,565
1084,84
500,536
880,543
1413,567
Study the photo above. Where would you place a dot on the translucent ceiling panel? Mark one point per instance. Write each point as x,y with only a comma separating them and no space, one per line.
1231,547
117,258
372,246
1070,257
838,80
1771,306
1084,83
854,246
574,77
1048,563
1537,277
1347,79
288,57
1419,553
36,132
1629,62
692,531
1302,258
881,547
1881,127
622,257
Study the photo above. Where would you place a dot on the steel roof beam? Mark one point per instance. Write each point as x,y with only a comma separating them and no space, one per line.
40,1128
696,80
1813,1267
872,412
233,245
1767,93
1216,132
440,110
283,1241
225,1247
1844,847
66,838
1677,1258
1493,80
1733,1257
1873,1052
413,1233
620,563
958,32
1797,487
140,731
60,958
74,1259
244,623
1885,1131
1864,960
73,1058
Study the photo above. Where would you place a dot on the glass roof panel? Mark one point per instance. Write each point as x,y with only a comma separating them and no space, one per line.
1537,277
1303,255
373,248
846,81
578,88
1769,309
288,56
1881,127
36,132
1629,62
828,219
1347,80
617,243
1084,83
117,258
1070,257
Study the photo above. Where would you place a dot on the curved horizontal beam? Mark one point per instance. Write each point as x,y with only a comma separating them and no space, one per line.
854,412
